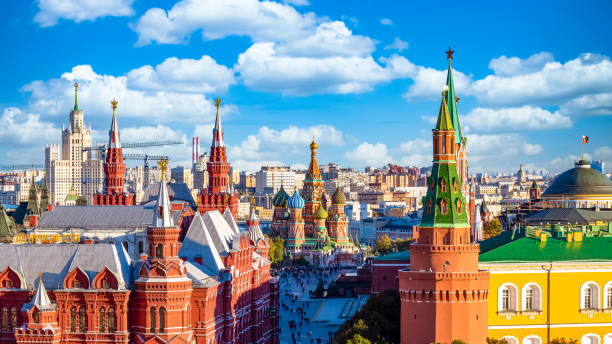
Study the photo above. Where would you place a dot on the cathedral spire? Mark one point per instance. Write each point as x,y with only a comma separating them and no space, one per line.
313,169
217,140
40,299
163,216
451,98
444,121
113,134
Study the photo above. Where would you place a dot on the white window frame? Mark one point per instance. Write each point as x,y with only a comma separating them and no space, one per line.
607,294
595,297
588,338
514,297
537,297
527,340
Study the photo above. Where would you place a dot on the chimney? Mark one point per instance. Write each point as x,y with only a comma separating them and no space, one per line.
33,221
197,148
50,207
193,151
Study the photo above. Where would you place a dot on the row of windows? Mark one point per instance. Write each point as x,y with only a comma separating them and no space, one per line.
162,320
107,320
590,338
9,324
531,297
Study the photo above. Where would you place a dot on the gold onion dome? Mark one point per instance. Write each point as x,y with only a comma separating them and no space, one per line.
321,213
338,197
314,144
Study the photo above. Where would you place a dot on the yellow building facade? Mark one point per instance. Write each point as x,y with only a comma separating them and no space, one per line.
543,288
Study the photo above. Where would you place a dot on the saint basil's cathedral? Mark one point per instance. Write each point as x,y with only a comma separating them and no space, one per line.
200,279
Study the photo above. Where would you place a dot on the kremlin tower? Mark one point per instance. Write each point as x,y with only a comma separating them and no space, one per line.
313,189
444,294
114,170
162,319
218,195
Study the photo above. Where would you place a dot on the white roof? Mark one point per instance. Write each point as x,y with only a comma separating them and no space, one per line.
162,217
199,243
40,299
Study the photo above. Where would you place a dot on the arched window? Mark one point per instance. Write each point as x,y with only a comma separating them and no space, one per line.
152,319
13,318
532,296
428,206
590,338
162,320
101,323
507,298
589,296
443,184
459,206
532,340
140,247
82,320
111,320
4,319
443,144
608,339
36,317
159,251
443,207
608,295
73,319
511,340
455,184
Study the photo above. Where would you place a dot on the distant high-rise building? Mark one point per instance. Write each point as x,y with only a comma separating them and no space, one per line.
270,178
72,169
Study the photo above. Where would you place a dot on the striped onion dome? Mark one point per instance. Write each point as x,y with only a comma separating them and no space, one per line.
338,197
296,201
280,199
321,213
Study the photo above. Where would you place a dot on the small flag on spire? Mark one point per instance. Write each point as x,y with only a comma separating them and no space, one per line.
585,139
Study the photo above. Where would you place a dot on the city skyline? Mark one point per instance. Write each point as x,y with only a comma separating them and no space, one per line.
364,80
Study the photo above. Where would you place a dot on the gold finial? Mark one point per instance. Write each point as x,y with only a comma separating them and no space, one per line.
76,86
114,103
163,164
40,275
218,103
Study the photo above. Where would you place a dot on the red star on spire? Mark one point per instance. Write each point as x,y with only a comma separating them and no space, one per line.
449,54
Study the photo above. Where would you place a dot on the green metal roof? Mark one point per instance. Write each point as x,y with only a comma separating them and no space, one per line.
444,121
451,100
401,255
529,249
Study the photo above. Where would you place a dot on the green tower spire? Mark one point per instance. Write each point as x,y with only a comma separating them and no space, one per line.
451,98
444,205
76,91
33,199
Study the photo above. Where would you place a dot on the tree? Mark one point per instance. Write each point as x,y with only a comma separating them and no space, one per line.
378,320
383,245
458,341
358,339
492,228
402,244
277,245
496,341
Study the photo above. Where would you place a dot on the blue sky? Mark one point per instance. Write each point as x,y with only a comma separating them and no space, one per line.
363,76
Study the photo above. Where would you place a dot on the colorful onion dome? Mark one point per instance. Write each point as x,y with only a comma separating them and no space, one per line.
280,199
338,197
296,201
321,213
314,144
320,233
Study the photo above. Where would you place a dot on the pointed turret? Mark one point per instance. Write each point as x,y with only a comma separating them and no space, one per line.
41,298
444,121
313,169
451,99
33,199
44,196
76,91
255,233
163,216
217,140
113,134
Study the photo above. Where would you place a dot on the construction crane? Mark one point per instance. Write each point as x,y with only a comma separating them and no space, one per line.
20,167
102,147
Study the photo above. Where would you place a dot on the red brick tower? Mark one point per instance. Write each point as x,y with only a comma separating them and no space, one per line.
218,195
114,170
444,295
157,317
40,319
313,189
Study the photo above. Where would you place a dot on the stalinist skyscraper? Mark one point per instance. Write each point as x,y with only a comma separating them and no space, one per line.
73,169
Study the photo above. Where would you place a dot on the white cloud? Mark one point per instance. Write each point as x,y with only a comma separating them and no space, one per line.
552,84
178,154
259,20
183,75
262,68
428,83
513,119
417,152
560,164
604,153
52,10
509,66
591,104
370,154
532,149
386,21
23,136
56,96
293,135
398,45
